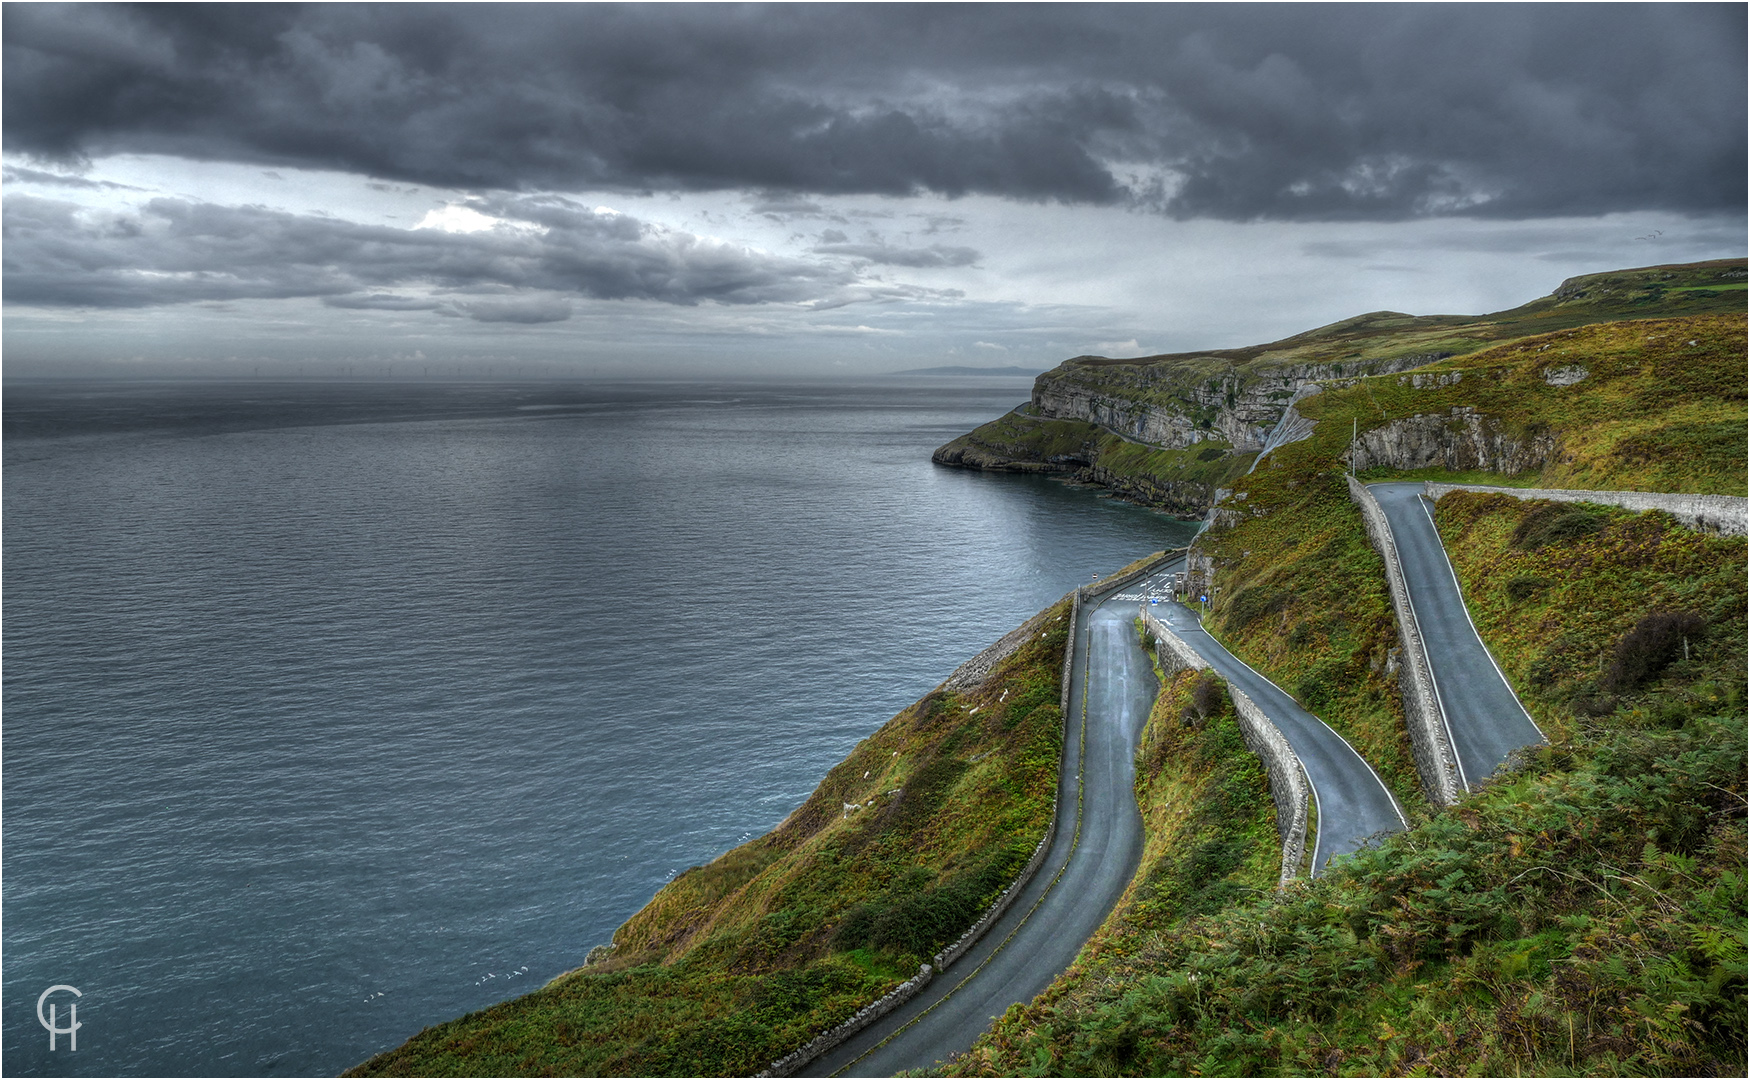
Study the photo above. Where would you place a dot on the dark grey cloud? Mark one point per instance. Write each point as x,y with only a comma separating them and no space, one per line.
174,251
1228,111
19,174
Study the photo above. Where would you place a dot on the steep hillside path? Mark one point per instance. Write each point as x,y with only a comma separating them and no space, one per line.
1483,717
1353,802
1093,856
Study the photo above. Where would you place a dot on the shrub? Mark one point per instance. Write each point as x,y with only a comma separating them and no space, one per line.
1525,586
1208,697
1556,523
1645,651
1593,704
915,918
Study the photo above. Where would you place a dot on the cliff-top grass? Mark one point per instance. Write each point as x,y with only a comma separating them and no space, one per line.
1712,287
1658,405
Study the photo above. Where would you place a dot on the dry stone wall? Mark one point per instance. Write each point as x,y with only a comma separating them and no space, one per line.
1723,514
1289,786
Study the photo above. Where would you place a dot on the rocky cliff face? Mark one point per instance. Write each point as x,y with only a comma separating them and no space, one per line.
1184,497
1178,405
1462,440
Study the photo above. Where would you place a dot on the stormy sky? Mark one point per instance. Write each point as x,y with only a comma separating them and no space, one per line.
801,190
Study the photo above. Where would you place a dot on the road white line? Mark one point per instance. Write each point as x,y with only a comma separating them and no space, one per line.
1473,628
1423,638
1396,809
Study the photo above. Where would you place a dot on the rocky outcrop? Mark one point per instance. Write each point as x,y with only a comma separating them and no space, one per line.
1178,405
1186,497
1461,439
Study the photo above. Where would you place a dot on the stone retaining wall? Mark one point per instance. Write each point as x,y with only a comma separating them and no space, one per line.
1289,787
1436,762
1723,514
868,1014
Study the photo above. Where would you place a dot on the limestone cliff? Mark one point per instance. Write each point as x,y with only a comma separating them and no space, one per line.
1176,402
1461,440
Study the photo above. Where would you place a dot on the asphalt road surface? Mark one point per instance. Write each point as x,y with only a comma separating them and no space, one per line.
1353,802
1483,717
1092,859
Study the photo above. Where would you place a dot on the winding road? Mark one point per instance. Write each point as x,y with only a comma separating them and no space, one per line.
1484,718
1353,802
1098,844
1091,861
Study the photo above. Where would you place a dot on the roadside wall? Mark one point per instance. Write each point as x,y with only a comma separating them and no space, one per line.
1289,787
868,1014
1435,761
968,674
1722,514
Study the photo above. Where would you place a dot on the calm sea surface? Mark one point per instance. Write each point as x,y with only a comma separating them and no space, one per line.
331,712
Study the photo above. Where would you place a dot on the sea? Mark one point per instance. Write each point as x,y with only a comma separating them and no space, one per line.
332,711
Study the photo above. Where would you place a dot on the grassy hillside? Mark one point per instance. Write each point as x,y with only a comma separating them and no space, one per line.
1301,595
1713,287
1661,406
1585,915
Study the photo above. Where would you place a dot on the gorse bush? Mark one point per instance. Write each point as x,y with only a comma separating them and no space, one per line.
917,917
1556,523
1525,586
1648,649
1209,696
